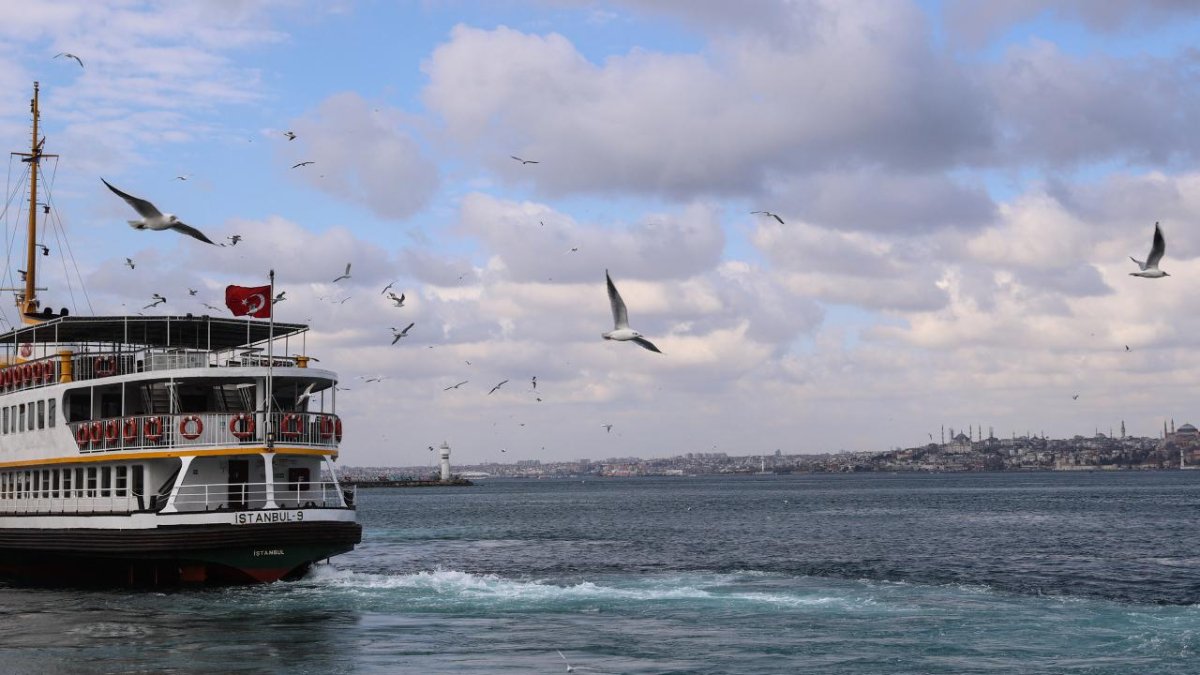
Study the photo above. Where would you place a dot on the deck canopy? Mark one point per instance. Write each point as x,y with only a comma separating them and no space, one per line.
181,332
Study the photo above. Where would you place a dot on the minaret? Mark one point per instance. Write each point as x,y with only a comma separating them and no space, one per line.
1122,428
444,452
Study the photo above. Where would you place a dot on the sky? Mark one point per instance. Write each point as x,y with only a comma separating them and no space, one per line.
962,184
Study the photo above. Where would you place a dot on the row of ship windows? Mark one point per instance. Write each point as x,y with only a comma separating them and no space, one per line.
28,416
78,482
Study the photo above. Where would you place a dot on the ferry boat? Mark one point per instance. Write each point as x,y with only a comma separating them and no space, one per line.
162,450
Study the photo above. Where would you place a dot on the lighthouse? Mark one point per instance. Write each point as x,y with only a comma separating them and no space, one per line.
444,452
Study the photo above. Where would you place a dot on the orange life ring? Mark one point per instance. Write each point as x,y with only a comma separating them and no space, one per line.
290,427
183,425
153,429
29,374
81,435
241,426
129,429
97,432
325,426
103,366
337,430
16,376
5,378
112,430
47,371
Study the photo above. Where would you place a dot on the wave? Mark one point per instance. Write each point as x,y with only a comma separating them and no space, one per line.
459,588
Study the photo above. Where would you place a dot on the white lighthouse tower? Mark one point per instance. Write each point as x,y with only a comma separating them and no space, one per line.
444,451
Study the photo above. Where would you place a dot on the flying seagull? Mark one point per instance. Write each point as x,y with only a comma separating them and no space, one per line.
456,386
192,291
154,219
387,288
397,334
291,135
215,309
279,297
621,330
398,300
1075,397
234,239
129,263
344,276
607,428
70,56
297,165
182,177
569,668
496,387
523,161
1149,269
158,300
307,392
768,213
534,382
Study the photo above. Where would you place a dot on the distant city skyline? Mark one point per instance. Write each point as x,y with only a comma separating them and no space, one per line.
843,223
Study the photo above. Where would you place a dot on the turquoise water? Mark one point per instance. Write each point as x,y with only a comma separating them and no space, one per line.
970,573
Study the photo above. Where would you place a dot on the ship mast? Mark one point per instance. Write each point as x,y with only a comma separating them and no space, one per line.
27,301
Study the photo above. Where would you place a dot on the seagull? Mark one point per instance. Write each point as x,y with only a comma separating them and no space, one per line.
523,161
182,177
1149,269
534,382
621,330
234,239
370,378
307,392
1126,347
569,668
192,291
607,428
70,56
215,309
397,334
768,213
496,387
154,219
1075,397
291,135
279,297
158,300
456,386
300,164
387,288
129,263
398,300
344,276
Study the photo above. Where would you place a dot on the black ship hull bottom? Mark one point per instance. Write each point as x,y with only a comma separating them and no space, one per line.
172,555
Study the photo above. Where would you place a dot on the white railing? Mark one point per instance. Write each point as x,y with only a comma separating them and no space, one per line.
29,374
241,496
138,432
94,365
222,496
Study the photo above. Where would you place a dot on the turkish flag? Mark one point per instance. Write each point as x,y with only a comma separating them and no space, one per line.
255,301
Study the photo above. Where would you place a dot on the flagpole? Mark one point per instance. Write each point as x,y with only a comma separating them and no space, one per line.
271,368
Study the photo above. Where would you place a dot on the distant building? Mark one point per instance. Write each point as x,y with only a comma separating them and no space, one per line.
960,444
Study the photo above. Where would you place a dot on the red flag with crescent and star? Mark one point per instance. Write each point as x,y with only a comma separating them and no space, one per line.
255,301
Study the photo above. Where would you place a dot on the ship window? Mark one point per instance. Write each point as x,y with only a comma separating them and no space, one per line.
105,480
5,427
50,406
77,405
45,483
54,483
66,483
120,481
138,484
79,482
91,481
21,426
3,486
41,405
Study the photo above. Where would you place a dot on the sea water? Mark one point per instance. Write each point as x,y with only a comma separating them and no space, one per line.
864,573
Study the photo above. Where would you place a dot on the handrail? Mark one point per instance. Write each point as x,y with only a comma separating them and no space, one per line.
190,498
139,432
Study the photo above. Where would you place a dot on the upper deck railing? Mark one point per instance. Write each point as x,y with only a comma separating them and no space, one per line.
49,370
141,432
